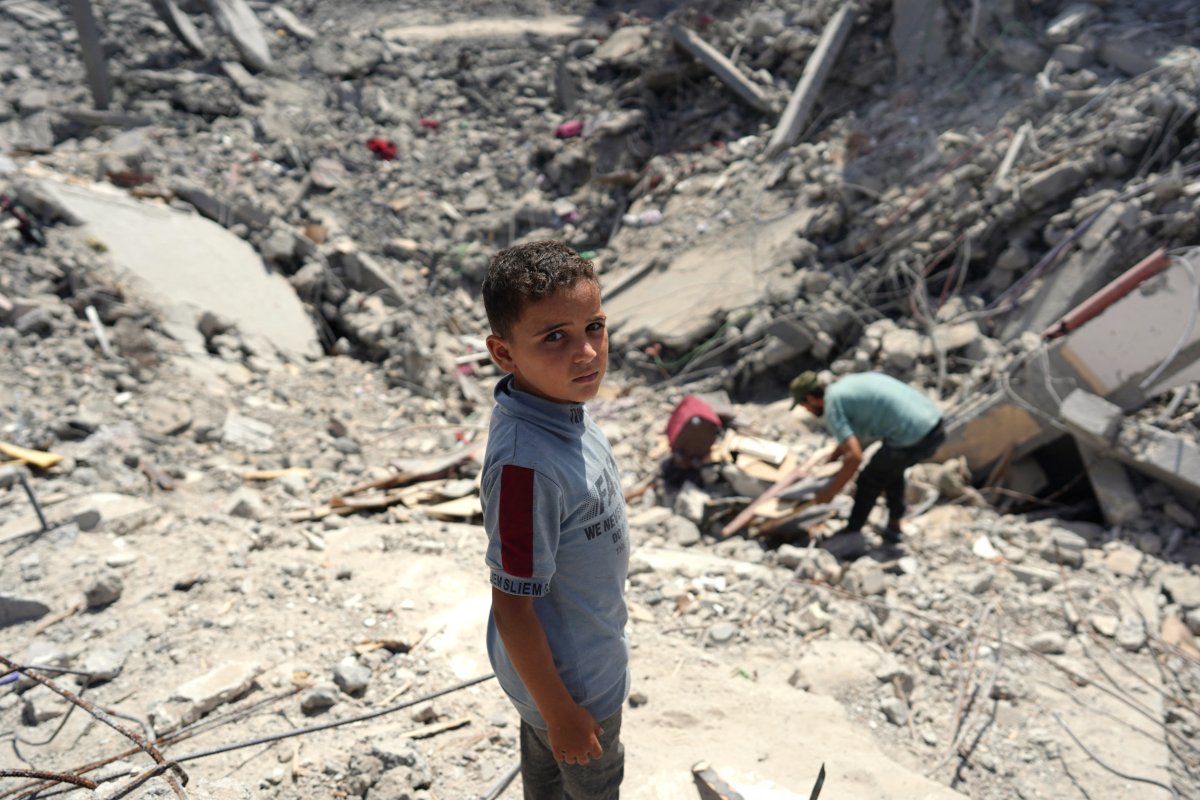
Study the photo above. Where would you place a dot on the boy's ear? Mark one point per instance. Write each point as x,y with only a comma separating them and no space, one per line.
500,352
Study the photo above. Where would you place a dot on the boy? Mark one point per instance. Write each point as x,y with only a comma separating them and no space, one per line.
555,518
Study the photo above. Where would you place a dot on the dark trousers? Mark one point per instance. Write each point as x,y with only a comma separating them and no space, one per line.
885,475
547,779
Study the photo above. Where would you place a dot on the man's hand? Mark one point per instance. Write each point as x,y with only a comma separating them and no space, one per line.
574,736
849,453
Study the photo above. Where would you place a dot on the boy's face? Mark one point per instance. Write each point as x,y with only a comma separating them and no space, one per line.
558,349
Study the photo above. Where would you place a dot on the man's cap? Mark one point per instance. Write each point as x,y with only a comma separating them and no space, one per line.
803,385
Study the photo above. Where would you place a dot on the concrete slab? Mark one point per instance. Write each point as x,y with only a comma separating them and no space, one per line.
1172,459
692,708
189,265
1093,417
217,686
1126,344
681,303
1113,731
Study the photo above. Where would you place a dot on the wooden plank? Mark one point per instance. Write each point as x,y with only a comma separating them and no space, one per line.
783,483
773,453
39,458
467,507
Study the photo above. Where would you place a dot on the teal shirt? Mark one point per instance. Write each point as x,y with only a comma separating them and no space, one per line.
871,406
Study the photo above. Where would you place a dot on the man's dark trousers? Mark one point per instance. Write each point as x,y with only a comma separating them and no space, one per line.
885,475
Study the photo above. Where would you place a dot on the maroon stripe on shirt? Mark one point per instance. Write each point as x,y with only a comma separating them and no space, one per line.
516,521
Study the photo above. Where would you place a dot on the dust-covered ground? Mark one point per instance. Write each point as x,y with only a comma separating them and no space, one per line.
240,311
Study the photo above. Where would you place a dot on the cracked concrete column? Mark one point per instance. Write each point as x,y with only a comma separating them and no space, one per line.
94,62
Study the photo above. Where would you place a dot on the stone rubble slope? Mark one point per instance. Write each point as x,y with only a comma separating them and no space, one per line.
1004,655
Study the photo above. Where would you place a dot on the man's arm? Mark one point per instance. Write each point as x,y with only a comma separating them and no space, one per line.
849,453
574,734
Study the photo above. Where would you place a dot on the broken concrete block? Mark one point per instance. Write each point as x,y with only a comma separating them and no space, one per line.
351,676
1184,589
163,416
104,590
1048,643
216,687
1049,185
623,46
1131,634
364,273
15,610
895,710
1090,417
103,664
42,704
248,434
691,502
1073,56
1070,21
901,349
722,632
1127,57
682,531
318,698
1110,483
247,504
1124,560
247,85
952,338
190,265
1064,546
1034,576
809,563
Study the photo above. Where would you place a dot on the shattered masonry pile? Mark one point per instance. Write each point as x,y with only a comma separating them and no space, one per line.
251,458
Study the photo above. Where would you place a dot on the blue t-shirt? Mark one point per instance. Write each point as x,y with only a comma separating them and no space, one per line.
555,519
871,405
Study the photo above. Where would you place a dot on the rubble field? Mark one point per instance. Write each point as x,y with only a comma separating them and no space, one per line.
246,390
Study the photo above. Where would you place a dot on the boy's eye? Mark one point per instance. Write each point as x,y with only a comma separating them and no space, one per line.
596,326
553,336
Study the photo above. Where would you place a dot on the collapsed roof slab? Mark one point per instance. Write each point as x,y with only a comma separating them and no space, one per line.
1139,338
188,265
681,303
1172,459
1147,342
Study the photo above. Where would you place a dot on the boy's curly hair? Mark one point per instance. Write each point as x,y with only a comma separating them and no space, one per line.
526,273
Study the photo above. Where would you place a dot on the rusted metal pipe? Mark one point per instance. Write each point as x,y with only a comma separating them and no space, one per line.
59,777
100,715
1147,268
11,475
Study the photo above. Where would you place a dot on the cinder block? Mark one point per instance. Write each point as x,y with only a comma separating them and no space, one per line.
1092,417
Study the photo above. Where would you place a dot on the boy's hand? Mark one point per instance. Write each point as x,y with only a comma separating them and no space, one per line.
575,736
